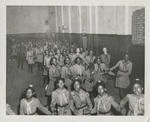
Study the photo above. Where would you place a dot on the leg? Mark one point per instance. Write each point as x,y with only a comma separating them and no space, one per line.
22,65
18,64
31,68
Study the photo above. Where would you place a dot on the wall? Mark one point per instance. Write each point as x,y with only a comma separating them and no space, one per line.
26,19
93,19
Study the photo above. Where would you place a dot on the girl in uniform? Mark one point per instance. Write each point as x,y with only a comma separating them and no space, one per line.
40,58
54,73
90,58
136,100
61,99
66,73
81,103
77,70
59,58
105,58
47,58
103,101
30,60
71,54
30,103
89,80
99,69
122,78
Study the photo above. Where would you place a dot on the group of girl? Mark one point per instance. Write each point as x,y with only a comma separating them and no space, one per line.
70,79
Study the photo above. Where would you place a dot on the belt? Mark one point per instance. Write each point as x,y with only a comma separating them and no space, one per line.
104,113
123,71
63,105
81,107
31,113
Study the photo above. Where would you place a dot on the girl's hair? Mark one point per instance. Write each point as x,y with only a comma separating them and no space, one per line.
70,49
25,92
100,83
51,61
97,58
57,81
66,59
77,80
137,81
77,59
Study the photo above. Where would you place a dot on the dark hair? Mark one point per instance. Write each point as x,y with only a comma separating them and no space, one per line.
77,80
90,51
137,81
70,49
66,59
25,92
97,59
77,59
51,61
57,81
102,83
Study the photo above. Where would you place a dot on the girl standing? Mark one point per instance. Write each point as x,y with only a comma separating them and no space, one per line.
122,78
66,73
61,98
30,103
53,75
30,60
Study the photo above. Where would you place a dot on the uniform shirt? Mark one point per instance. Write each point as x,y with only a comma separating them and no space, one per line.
77,70
30,108
30,57
103,104
99,68
81,99
54,72
124,68
60,97
60,60
136,105
105,58
47,61
65,71
90,59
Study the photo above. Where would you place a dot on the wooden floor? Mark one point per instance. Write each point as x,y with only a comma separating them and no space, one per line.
18,80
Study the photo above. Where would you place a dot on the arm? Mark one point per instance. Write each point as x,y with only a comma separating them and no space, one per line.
114,67
89,105
53,103
21,108
114,104
42,109
63,72
9,111
95,107
124,101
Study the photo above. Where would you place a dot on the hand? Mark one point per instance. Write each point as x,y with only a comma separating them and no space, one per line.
123,111
46,87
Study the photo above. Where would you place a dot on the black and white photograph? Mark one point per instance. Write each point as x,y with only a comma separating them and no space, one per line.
75,60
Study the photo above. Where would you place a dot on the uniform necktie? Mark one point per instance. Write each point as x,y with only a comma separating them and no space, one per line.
28,107
101,102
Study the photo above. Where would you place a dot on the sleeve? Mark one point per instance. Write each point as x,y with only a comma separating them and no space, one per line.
63,73
9,111
114,67
124,101
21,108
42,108
95,107
27,56
51,75
53,102
44,61
114,104
109,58
89,105
71,103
